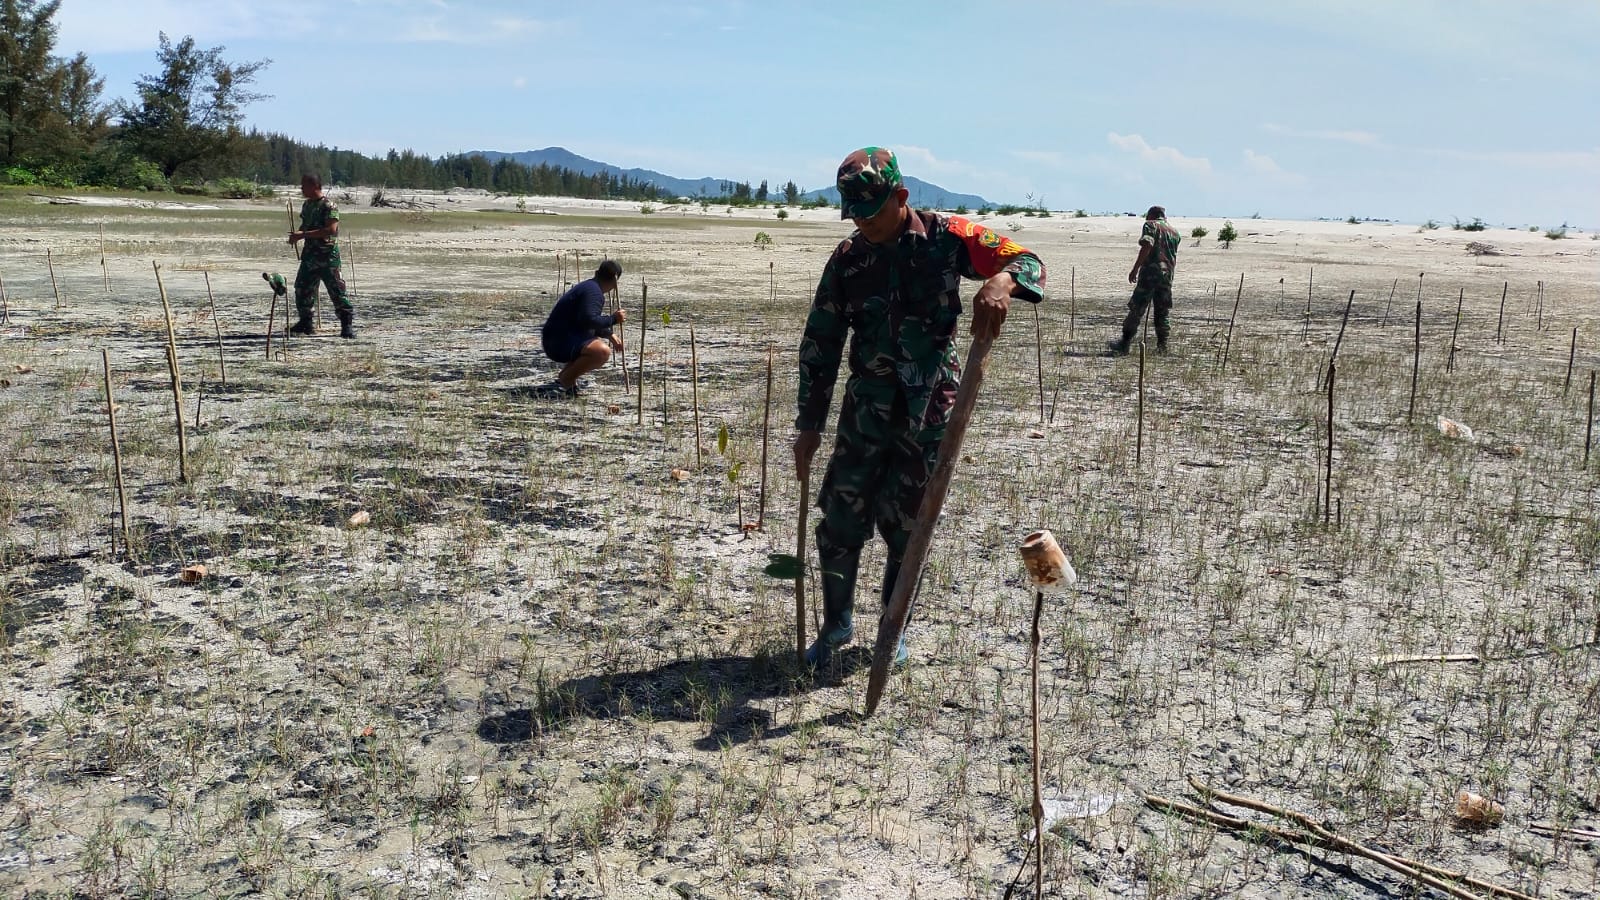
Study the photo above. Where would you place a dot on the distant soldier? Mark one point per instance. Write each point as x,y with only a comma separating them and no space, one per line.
893,289
1151,276
319,261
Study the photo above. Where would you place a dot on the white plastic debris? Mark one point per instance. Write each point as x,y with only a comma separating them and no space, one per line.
1453,429
1058,810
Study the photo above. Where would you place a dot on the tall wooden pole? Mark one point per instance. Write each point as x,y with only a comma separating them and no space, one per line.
1339,341
800,577
222,368
1038,356
1309,276
177,382
105,274
116,449
1572,354
1450,361
766,427
1538,324
644,315
1499,323
893,622
1588,429
694,382
288,208
1387,306
49,261
5,303
1227,345
1138,446
1072,305
1416,358
1038,789
1327,478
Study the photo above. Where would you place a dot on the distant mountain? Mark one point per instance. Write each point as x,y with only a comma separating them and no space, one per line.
923,194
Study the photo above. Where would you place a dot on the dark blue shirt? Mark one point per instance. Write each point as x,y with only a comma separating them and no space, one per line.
579,315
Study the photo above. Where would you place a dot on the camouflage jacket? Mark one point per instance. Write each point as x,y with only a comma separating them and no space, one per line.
315,213
901,303
1164,239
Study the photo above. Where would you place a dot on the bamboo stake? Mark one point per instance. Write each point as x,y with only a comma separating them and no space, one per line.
800,579
694,382
1416,357
577,265
1038,790
1227,345
1327,477
1072,305
1572,354
766,424
105,274
1588,429
49,260
644,315
561,271
349,257
199,392
272,315
116,449
893,622
1500,322
1538,324
1450,361
772,282
622,355
1309,276
177,382
1138,447
1387,306
288,208
222,368
1342,325
5,303
1038,356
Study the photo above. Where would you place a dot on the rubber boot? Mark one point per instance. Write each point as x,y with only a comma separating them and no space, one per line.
891,571
346,322
838,608
304,326
1120,347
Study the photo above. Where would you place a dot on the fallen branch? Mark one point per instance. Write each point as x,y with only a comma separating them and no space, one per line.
1545,829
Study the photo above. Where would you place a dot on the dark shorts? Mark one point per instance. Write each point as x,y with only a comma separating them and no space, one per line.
565,348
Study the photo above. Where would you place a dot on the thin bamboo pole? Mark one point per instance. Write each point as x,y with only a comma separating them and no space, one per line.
49,260
766,427
1572,355
1327,477
1072,305
1342,325
105,274
644,315
1309,277
288,208
5,303
272,315
1038,356
1038,788
1227,345
622,355
694,382
800,578
1455,332
199,393
177,382
1588,429
1538,324
1416,358
1138,446
1500,322
222,368
116,450
1390,304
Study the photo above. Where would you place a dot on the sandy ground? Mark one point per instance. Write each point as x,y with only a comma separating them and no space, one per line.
548,666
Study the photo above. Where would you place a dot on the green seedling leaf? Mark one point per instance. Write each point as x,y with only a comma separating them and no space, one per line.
722,439
666,316
733,471
783,565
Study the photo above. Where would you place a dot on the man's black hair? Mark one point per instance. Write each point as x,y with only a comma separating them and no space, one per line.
609,270
1156,212
312,177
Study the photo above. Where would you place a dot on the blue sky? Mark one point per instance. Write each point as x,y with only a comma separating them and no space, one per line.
1403,109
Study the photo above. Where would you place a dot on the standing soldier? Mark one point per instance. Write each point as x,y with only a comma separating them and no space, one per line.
319,262
1151,276
895,284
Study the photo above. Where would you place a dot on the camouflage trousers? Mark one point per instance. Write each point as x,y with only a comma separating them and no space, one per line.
876,476
317,269
1154,289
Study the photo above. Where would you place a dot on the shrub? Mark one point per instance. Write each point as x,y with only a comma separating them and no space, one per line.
1227,235
1475,225
646,209
1044,213
983,210
1353,220
1429,225
1556,234
19,175
1198,233
961,210
237,189
763,239
783,214
1080,214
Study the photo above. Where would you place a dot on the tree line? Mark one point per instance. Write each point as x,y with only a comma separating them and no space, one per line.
184,129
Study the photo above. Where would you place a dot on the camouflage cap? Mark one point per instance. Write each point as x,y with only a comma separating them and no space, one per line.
867,178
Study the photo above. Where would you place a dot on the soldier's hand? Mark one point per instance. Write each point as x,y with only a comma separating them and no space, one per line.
616,343
620,316
1133,275
990,305
295,236
805,447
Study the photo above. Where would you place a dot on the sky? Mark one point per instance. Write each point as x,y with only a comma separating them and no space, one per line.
1387,109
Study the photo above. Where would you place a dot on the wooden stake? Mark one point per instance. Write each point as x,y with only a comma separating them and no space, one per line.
1390,303
199,392
288,208
349,257
49,260
694,381
644,315
1450,361
1588,429
116,449
5,303
177,382
766,425
1500,322
222,368
1038,356
1538,324
800,579
1572,354
1309,276
1416,357
1038,789
622,355
105,274
893,622
561,271
772,282
1072,305
272,315
1138,447
1342,324
1327,478
1227,345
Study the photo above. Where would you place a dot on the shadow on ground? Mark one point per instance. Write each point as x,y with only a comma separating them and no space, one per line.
717,691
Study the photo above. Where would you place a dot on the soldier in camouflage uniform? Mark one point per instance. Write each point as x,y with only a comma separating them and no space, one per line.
1151,276
319,261
893,286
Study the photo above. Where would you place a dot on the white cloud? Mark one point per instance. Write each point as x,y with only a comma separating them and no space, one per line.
519,82
1161,156
98,27
1554,160
1362,138
1266,167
